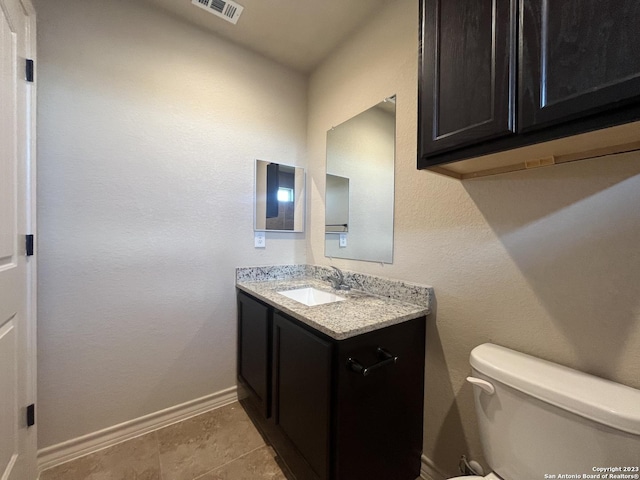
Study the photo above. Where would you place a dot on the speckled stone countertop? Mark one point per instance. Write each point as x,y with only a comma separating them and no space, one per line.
373,302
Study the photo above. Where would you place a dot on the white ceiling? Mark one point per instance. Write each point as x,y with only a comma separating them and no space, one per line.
296,33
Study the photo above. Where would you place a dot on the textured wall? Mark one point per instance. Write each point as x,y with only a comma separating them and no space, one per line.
545,262
148,130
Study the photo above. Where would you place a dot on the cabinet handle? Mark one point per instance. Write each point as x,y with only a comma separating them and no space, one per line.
357,367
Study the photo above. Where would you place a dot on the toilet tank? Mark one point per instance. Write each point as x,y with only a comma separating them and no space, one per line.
546,421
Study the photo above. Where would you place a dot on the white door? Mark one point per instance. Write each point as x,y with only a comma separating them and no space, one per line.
17,271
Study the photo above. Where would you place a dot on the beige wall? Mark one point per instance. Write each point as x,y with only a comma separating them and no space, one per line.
148,131
546,262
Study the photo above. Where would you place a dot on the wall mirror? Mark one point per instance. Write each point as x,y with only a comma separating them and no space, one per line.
279,197
359,193
336,204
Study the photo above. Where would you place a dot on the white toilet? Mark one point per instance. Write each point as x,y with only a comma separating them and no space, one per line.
538,419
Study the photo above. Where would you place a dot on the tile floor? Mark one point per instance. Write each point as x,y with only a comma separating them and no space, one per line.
221,444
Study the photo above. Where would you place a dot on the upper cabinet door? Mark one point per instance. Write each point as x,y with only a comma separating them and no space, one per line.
467,85
577,57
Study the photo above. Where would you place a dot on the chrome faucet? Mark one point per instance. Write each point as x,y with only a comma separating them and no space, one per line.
337,281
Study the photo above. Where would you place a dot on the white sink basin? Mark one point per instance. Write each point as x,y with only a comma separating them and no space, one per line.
311,296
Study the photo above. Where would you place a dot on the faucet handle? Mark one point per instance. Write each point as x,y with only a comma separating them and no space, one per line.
337,282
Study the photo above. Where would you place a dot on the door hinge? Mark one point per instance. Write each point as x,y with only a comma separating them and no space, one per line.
29,70
31,415
29,245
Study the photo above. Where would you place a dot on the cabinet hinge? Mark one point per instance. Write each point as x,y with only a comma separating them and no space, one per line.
29,245
29,70
31,415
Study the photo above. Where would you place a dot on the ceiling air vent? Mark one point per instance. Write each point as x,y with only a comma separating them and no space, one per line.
226,9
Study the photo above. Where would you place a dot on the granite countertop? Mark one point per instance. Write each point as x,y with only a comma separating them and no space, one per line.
361,312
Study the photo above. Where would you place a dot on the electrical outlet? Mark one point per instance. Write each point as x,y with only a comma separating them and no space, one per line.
343,240
260,240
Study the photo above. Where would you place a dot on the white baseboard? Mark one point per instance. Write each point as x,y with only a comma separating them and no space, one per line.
428,470
78,447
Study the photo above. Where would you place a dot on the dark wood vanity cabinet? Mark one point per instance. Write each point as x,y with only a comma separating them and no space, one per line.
501,74
333,417
254,353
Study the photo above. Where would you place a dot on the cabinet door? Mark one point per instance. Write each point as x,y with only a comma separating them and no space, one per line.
254,327
302,382
379,415
577,57
467,73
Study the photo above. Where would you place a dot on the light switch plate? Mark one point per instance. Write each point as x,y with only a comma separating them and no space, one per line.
260,240
343,240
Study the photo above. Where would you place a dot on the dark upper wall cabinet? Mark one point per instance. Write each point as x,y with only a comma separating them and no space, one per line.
578,57
468,72
502,74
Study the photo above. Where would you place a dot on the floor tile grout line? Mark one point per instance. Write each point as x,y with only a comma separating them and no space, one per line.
231,461
155,433
154,438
